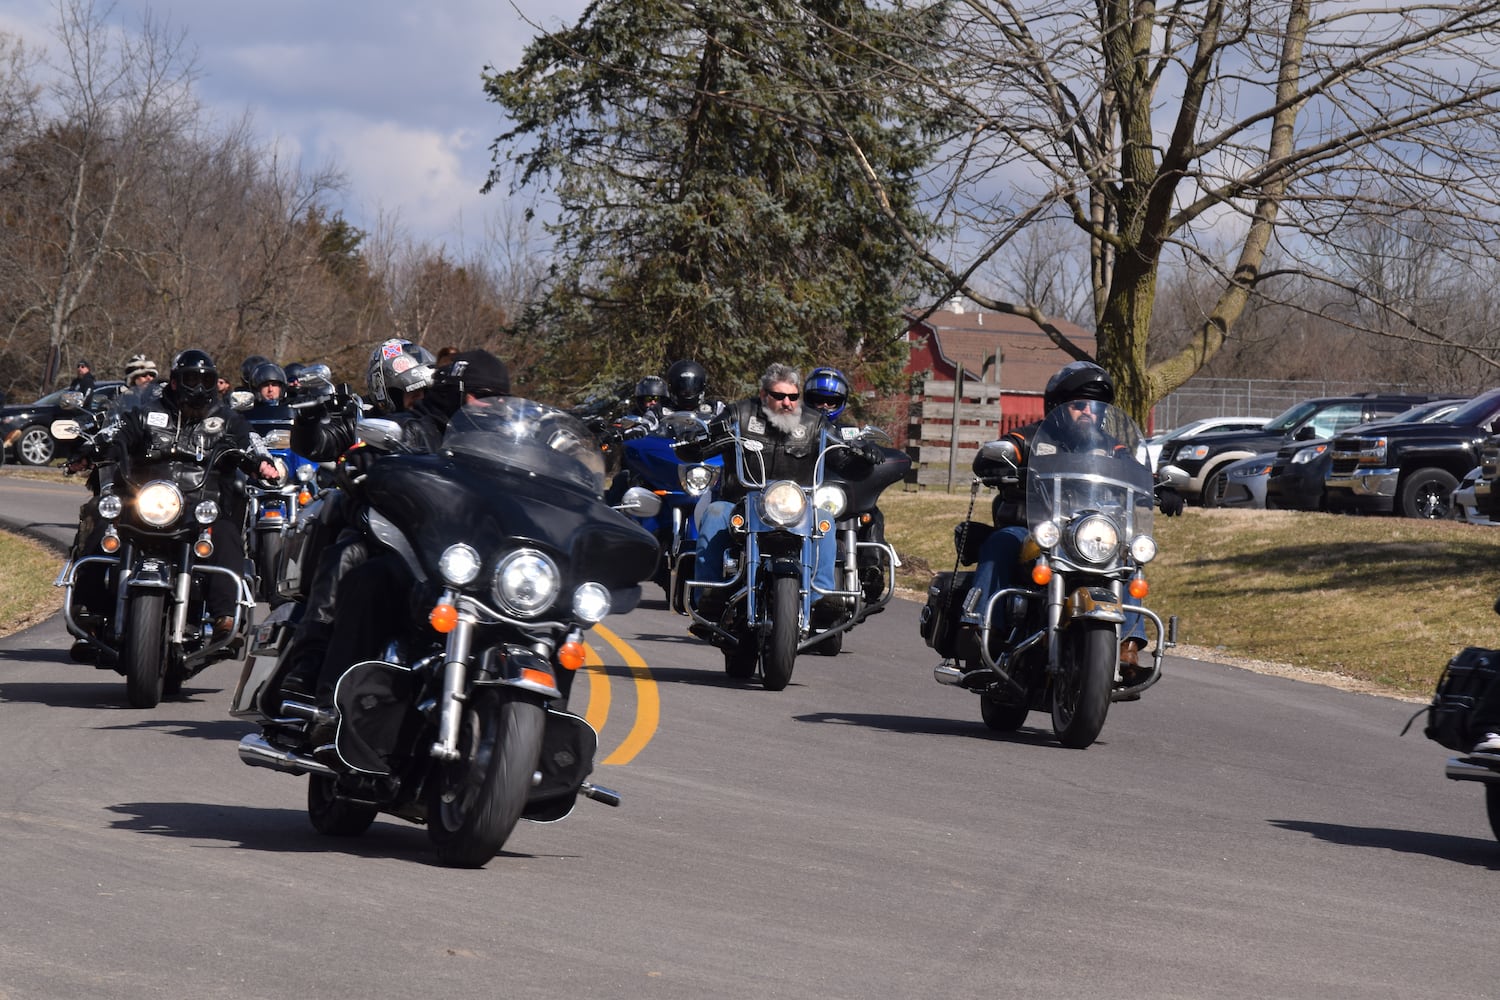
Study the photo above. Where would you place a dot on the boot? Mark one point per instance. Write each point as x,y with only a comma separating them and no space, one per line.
1131,671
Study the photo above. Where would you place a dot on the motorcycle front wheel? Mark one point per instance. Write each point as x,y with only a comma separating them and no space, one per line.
267,565
1492,806
1080,691
143,656
780,651
474,802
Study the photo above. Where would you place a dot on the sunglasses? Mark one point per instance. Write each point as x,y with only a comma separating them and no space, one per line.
1080,405
793,396
824,402
650,399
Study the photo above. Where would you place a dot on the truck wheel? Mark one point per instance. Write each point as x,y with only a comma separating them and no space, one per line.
1428,493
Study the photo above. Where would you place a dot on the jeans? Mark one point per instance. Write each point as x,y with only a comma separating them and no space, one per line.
713,541
1000,554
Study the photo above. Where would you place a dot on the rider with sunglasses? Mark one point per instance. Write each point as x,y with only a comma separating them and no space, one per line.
791,438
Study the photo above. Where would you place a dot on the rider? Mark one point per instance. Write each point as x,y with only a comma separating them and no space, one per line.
364,589
687,382
84,381
827,391
649,398
247,370
1085,389
791,439
189,412
268,381
139,370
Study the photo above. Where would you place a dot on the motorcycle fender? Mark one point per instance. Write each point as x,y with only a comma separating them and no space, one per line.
1095,604
568,748
151,573
517,667
786,567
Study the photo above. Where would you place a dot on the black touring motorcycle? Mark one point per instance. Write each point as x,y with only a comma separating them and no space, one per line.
460,725
156,536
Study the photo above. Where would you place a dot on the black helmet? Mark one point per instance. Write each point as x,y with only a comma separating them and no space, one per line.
248,366
1079,380
397,367
195,379
294,372
686,383
650,391
268,374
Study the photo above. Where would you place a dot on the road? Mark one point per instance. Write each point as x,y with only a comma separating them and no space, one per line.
858,835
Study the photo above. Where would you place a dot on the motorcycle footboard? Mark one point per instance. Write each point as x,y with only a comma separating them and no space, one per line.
569,745
1475,767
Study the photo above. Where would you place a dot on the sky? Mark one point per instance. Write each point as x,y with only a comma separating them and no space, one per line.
387,91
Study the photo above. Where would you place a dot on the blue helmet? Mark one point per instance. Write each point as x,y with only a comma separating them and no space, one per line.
827,390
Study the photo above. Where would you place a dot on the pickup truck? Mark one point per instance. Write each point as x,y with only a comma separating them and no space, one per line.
1205,457
1410,469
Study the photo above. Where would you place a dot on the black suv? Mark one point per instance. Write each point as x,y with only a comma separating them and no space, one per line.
1204,458
1410,469
26,428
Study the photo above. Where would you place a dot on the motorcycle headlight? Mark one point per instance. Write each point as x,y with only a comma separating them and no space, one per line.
1143,548
591,603
697,480
306,473
525,583
1047,534
1096,539
277,440
459,564
832,499
783,503
110,506
158,503
206,512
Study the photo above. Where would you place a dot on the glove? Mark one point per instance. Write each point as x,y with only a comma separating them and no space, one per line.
870,453
77,465
1170,501
718,428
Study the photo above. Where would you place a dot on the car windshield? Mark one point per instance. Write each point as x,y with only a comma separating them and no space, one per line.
1478,410
1290,419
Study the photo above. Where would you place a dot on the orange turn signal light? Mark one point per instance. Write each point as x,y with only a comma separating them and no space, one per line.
203,548
271,514
304,498
1041,574
110,543
1139,588
535,676
570,655
738,520
444,618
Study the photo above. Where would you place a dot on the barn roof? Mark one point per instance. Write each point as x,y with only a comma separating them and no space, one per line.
969,335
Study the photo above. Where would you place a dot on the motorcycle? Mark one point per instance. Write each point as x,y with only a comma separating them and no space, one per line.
461,726
1461,685
158,516
762,613
650,461
1051,642
866,564
274,510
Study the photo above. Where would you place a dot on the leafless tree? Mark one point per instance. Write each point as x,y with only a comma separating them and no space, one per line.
1216,136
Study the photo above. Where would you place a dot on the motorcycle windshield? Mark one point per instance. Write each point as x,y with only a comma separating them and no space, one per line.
528,437
1089,456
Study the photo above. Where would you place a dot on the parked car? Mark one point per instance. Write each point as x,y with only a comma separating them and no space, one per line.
1300,468
1204,458
1243,483
1157,442
1410,469
26,428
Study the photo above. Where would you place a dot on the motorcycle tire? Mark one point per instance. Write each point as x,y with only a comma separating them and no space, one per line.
331,814
1492,806
1002,717
474,802
1080,691
143,657
740,664
780,652
268,566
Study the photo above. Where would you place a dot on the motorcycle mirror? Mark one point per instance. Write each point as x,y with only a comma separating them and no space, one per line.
1172,475
1002,451
639,502
315,376
71,401
241,399
66,430
379,433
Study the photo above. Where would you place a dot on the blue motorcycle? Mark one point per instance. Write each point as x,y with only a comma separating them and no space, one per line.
273,512
648,459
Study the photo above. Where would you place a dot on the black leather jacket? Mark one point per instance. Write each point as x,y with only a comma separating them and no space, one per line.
791,456
157,430
324,437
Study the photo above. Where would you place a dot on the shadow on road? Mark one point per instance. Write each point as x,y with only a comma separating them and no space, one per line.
201,729
1469,850
704,676
912,724
275,831
104,689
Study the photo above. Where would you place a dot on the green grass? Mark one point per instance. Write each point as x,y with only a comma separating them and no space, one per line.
26,592
1384,600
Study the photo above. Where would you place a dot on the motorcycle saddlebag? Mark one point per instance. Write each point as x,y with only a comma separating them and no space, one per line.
940,616
1464,681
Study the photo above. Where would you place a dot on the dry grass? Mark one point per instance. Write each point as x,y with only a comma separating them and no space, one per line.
1383,600
26,592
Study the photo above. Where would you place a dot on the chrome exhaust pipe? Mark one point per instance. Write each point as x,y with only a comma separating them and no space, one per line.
947,673
255,751
1462,769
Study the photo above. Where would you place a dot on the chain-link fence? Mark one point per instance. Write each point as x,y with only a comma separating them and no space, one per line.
1238,397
